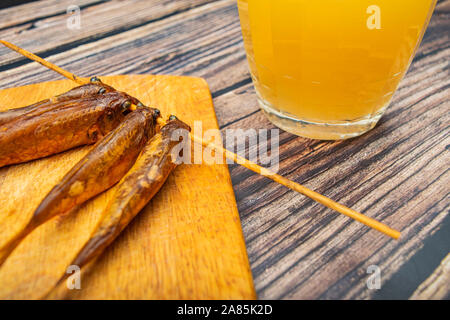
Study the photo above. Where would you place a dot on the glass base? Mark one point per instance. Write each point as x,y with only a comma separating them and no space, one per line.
318,130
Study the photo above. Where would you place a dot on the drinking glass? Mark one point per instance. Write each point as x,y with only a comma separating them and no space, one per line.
327,69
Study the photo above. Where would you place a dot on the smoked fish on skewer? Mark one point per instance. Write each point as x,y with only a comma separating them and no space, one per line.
246,163
100,169
135,190
81,122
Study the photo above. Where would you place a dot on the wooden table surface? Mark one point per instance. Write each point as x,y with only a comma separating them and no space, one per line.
397,173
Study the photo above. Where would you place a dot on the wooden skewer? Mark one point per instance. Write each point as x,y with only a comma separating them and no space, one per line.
301,189
296,187
244,162
45,63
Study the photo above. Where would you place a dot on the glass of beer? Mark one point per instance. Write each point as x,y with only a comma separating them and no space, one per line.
327,69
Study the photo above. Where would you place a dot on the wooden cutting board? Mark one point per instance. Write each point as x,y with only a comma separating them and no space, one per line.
187,243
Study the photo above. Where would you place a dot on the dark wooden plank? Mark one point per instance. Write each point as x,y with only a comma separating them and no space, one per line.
437,286
413,273
298,249
177,45
104,19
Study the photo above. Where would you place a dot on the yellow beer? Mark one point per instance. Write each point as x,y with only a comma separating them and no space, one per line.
330,62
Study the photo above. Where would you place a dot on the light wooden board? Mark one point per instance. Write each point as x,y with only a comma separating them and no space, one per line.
186,243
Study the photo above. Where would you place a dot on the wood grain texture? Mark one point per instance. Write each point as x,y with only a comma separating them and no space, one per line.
179,45
95,22
186,244
28,13
397,173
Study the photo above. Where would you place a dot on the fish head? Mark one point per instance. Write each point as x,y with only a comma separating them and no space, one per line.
149,118
115,106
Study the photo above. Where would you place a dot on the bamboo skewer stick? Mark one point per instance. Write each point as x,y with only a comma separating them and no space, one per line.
244,162
298,187
301,189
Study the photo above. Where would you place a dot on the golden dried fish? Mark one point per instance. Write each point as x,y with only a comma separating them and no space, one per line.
134,191
96,87
80,122
101,168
